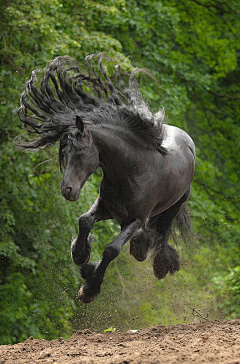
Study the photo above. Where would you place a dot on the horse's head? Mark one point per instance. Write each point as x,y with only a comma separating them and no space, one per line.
80,158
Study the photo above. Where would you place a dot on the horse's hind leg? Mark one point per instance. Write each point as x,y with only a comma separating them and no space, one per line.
140,244
165,257
81,247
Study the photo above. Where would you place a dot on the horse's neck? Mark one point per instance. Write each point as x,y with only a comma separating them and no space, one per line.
117,149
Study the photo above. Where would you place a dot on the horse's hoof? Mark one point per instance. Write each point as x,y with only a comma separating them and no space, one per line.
80,261
140,244
166,261
82,296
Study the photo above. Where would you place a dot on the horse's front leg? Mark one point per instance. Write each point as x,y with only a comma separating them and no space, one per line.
94,276
81,248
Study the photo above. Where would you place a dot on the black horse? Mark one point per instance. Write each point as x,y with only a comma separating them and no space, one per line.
147,165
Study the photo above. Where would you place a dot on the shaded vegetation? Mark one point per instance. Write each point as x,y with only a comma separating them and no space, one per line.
192,47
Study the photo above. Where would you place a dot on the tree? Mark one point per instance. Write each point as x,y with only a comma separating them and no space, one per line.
192,48
36,224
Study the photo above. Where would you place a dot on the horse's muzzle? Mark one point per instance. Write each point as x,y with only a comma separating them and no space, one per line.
69,194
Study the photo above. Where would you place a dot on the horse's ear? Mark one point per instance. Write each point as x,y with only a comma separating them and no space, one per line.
79,123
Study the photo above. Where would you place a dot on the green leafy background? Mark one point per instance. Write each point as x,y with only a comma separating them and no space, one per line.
193,48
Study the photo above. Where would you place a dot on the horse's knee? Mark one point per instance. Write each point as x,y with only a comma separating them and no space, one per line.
85,221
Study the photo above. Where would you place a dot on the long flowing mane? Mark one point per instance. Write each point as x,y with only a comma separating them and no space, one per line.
48,108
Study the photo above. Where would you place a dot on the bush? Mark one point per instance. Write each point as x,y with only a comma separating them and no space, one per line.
228,292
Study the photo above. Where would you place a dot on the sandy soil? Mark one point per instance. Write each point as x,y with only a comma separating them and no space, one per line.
209,342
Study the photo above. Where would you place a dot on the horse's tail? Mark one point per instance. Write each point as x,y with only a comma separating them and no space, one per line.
181,226
165,257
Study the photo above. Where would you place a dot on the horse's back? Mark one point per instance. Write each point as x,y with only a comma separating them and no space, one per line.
176,139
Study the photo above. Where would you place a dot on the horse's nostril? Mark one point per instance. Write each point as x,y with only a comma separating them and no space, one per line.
68,190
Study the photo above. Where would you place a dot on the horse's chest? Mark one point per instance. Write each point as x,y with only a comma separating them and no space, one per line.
117,199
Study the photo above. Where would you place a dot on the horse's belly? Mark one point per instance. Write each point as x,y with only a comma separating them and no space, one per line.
165,205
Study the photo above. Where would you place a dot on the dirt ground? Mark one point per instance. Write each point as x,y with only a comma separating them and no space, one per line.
209,342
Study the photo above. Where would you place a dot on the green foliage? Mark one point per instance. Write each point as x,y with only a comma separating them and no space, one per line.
228,291
37,276
192,48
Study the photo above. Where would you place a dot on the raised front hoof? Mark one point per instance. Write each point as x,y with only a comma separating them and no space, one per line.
91,288
80,254
80,259
166,261
84,297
